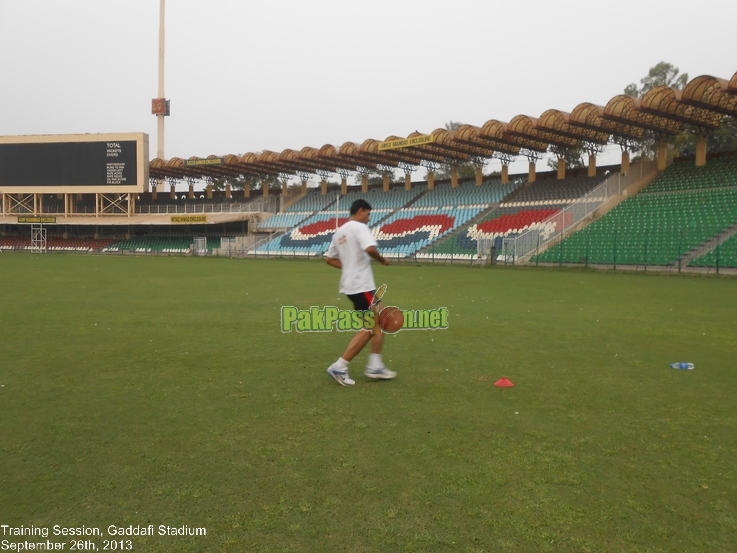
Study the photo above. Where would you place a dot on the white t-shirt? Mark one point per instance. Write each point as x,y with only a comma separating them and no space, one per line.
349,245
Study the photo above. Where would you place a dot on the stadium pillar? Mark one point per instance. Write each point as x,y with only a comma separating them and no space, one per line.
208,192
190,192
247,188
323,187
343,186
505,174
662,155
364,183
172,191
304,186
592,165
625,163
479,176
454,176
701,151
386,182
227,191
265,187
154,192
131,205
430,180
531,175
561,168
407,181
284,188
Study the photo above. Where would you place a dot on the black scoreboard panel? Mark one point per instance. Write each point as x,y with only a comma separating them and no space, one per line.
51,164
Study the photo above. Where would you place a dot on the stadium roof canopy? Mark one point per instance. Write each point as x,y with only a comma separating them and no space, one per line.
662,113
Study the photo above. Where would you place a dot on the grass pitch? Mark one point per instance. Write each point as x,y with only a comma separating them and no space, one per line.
158,391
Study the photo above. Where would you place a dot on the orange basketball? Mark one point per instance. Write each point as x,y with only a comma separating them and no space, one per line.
391,319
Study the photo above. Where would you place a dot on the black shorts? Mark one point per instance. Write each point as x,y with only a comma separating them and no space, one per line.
362,300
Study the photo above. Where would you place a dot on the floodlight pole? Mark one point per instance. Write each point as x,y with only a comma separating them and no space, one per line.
160,117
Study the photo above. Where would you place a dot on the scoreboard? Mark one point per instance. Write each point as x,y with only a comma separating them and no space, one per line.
82,163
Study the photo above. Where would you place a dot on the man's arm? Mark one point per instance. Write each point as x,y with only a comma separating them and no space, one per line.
334,262
374,254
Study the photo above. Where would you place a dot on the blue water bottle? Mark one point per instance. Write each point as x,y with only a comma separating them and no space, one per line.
683,366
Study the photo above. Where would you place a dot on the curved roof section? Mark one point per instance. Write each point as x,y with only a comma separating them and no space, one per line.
494,133
666,102
710,93
663,111
557,123
626,109
445,148
413,155
522,128
591,116
470,134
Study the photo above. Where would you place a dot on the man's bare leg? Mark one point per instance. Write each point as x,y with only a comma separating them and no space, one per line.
376,368
357,343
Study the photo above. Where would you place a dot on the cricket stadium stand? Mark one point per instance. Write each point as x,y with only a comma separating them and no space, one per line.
530,208
679,218
403,221
684,208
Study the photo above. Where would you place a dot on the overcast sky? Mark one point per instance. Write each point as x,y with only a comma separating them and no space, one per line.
268,75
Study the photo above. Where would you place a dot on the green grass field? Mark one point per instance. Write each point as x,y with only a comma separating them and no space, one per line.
161,391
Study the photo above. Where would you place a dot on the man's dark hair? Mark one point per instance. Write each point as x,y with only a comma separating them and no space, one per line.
359,204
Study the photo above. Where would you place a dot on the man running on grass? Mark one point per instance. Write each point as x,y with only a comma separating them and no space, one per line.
351,251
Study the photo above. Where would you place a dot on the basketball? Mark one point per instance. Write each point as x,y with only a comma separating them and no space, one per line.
391,319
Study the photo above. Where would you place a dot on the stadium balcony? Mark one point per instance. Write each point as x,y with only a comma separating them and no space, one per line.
683,209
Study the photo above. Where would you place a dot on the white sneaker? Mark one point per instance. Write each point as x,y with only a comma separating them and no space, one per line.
382,373
341,377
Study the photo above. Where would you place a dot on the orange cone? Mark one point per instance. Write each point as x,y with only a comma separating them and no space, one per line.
504,383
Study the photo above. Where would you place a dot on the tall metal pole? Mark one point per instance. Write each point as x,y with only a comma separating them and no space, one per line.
160,117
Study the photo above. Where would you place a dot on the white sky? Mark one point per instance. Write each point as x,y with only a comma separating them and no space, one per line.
248,76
